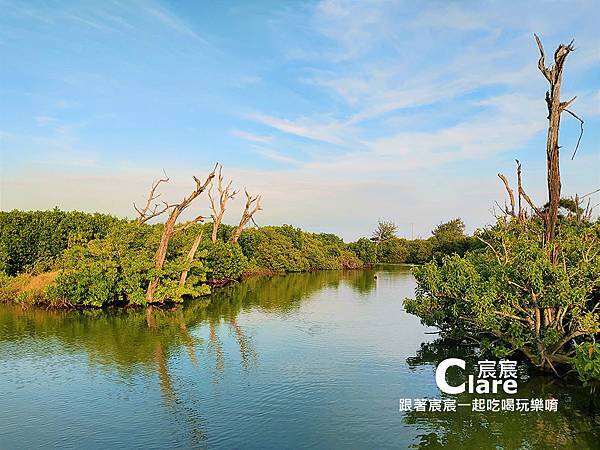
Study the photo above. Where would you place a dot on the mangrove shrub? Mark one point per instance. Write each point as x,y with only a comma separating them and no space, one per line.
511,297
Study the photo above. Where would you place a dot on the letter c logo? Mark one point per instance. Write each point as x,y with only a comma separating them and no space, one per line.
440,376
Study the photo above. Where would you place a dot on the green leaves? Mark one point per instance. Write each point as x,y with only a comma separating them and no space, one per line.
118,268
28,237
224,260
587,361
289,249
510,289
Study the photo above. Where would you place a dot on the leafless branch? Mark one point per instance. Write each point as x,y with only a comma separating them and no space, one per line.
580,124
530,202
225,194
252,207
510,195
145,214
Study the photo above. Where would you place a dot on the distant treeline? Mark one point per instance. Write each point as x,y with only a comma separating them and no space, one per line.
385,247
97,259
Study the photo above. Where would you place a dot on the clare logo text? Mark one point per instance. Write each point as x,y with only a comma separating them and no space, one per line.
492,377
495,381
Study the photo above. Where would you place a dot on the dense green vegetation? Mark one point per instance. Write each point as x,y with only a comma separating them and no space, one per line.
32,240
511,296
98,260
79,259
385,247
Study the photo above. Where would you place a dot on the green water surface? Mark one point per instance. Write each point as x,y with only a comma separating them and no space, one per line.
317,360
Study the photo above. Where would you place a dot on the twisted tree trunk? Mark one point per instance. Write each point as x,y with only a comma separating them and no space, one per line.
169,230
553,74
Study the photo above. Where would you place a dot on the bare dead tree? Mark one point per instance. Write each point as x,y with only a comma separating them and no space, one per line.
145,213
553,74
169,229
511,196
251,208
190,257
584,215
520,212
225,194
519,189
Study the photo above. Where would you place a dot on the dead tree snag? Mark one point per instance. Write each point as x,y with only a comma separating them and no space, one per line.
145,214
553,74
252,207
169,229
225,194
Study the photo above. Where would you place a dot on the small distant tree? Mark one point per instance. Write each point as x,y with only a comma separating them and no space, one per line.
450,230
384,232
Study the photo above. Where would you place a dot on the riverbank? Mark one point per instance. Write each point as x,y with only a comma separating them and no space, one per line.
72,259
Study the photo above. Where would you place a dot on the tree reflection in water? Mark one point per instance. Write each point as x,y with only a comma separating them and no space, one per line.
467,429
196,361
137,340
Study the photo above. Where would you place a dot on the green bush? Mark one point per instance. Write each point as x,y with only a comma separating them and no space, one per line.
365,250
119,267
224,260
28,237
348,260
276,251
511,293
289,249
393,251
420,251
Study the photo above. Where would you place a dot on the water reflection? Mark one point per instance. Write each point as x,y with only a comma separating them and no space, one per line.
313,360
138,339
575,425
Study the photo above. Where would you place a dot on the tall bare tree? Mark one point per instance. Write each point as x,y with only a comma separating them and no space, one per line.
252,207
224,194
553,74
169,229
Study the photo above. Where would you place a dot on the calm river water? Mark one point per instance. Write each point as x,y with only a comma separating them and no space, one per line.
315,360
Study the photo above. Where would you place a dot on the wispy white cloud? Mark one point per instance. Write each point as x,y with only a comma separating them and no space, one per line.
247,136
391,103
277,156
172,22
325,130
45,120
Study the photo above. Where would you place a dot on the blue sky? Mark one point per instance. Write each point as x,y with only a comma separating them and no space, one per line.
338,112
